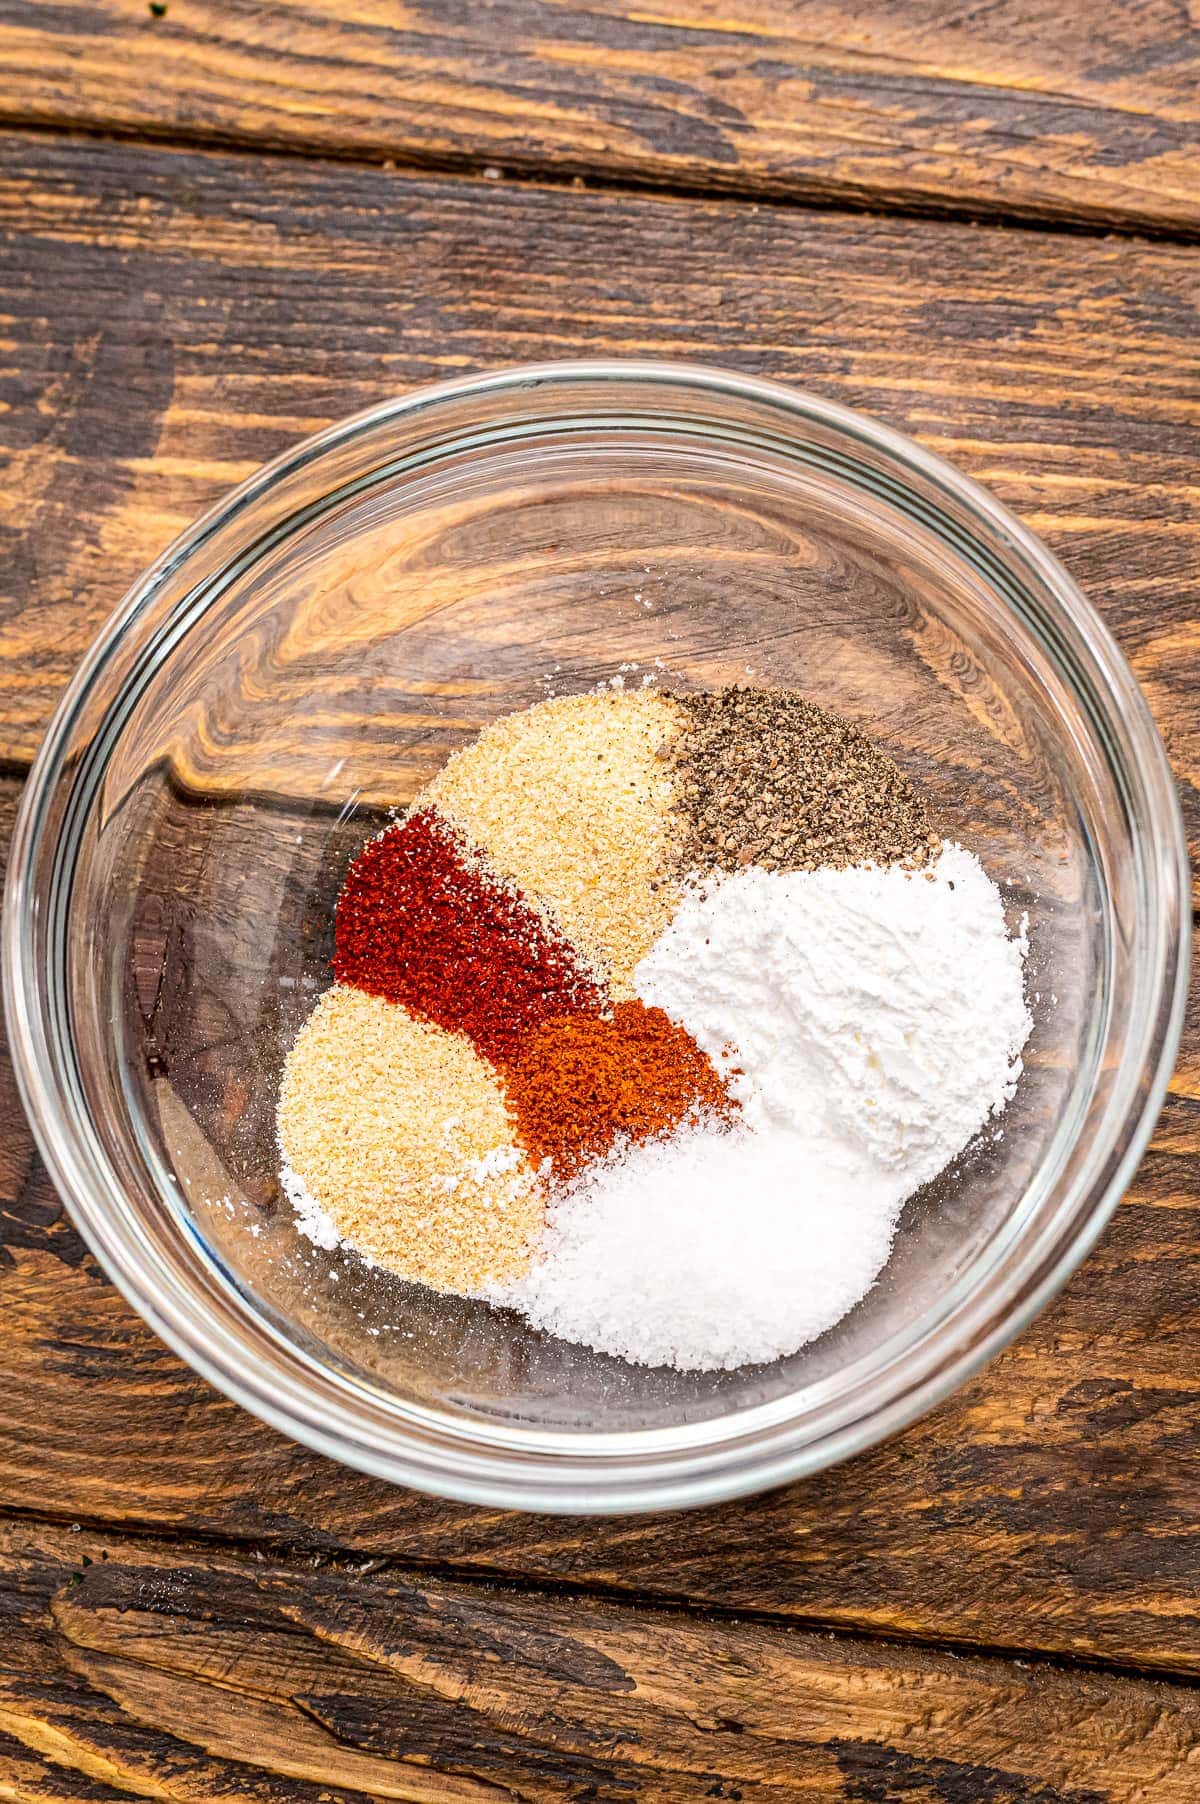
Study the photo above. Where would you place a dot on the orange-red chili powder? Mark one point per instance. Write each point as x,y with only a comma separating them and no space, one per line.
576,1083
422,921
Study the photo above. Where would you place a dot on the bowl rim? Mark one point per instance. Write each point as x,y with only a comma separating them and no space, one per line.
747,1450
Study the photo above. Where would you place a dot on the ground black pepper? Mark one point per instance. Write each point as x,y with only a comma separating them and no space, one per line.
764,776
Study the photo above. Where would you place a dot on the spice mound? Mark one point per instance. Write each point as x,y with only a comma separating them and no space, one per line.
574,805
422,921
397,1136
648,1018
581,1086
766,777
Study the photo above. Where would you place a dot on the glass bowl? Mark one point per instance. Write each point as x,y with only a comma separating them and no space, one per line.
308,655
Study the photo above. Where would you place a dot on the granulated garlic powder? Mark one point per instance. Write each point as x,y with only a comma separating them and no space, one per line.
572,801
400,1135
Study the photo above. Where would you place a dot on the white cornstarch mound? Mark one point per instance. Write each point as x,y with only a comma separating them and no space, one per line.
885,1007
870,1022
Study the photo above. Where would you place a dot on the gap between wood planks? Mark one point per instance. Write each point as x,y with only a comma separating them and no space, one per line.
479,1580
799,197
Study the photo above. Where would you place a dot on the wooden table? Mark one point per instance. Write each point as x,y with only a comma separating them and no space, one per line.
224,226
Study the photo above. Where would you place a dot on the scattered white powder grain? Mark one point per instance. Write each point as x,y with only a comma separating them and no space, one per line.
712,1249
313,1221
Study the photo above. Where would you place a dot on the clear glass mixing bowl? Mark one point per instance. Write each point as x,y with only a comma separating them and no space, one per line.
307,656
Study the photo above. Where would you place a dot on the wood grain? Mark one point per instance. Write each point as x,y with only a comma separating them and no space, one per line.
174,318
1048,1506
171,319
1085,112
173,1672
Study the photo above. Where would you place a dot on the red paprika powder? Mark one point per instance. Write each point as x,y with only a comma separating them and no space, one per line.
421,921
577,1083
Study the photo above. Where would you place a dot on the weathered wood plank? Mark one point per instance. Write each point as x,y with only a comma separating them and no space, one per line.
1077,112
175,318
1049,1505
170,1672
172,319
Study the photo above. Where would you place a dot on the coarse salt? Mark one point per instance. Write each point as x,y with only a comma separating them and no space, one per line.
713,1249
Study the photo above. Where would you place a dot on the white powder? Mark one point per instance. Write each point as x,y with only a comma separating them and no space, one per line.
311,1219
884,1009
712,1249
870,1022
494,1164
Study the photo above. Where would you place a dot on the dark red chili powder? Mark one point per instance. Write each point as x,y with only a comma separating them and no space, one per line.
421,921
576,1083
